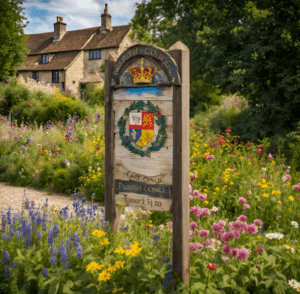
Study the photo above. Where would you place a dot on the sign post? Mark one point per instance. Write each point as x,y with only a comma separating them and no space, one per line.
147,138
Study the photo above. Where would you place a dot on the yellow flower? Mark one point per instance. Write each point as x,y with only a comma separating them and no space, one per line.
259,236
104,242
288,183
217,189
119,264
273,163
98,233
231,183
104,276
111,268
291,198
206,202
287,246
120,251
289,209
279,202
205,190
249,163
266,195
94,266
264,186
115,290
263,181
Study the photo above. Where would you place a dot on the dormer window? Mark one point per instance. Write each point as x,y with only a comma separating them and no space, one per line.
45,58
95,54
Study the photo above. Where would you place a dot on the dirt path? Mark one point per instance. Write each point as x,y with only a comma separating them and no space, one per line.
11,195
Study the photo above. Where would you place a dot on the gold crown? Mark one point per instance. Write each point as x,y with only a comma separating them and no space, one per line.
143,74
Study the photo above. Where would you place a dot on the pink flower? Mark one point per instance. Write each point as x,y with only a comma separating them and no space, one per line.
193,225
170,224
226,249
228,130
252,229
237,235
192,246
205,211
243,254
209,157
259,249
199,245
234,251
246,206
193,209
191,233
196,193
190,188
196,231
262,175
258,222
242,218
202,197
270,156
191,197
256,265
286,177
242,200
203,233
207,242
297,187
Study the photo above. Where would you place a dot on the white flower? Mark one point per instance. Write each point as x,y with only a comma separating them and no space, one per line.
161,227
214,208
249,192
264,169
293,283
292,249
294,223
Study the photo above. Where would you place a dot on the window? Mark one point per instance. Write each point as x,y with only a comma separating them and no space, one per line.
94,54
45,58
35,75
55,76
62,86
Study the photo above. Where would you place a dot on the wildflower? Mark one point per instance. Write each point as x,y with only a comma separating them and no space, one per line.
79,251
226,249
169,224
104,276
24,286
293,283
104,242
264,169
258,222
242,200
226,259
50,236
93,195
203,233
45,273
211,266
291,198
199,246
210,157
168,277
120,251
63,252
92,266
5,257
202,197
266,195
214,208
242,218
256,265
193,225
246,206
161,226
243,254
53,260
234,251
6,272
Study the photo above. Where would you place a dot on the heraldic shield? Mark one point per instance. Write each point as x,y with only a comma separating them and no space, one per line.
141,127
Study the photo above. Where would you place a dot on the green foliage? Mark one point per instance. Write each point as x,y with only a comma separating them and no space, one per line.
102,67
61,179
202,96
294,145
94,95
13,50
160,217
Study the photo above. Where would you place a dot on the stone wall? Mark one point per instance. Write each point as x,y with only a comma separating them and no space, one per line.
74,74
126,43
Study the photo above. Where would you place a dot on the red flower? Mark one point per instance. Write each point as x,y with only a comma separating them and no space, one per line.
233,152
228,130
194,128
211,266
158,113
97,148
259,146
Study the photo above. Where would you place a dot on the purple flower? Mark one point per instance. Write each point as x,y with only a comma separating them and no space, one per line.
50,236
242,200
242,218
63,252
67,265
56,230
45,273
202,197
24,286
6,272
53,260
93,195
95,207
14,264
76,239
79,251
11,231
226,249
193,225
192,246
6,238
243,254
5,257
39,236
69,245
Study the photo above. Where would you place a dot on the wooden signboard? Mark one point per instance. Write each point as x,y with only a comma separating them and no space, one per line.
147,138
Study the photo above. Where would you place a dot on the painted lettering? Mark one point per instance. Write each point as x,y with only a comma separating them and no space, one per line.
152,52
146,52
168,66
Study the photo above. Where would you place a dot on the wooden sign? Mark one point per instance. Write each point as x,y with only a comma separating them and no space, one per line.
147,138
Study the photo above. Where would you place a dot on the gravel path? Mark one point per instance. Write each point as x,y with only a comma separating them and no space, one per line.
11,195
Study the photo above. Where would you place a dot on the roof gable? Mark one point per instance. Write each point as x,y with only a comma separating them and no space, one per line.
86,39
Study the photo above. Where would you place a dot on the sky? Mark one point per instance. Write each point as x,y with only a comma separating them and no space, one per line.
77,14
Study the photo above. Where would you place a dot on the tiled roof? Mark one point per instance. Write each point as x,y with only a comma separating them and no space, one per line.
59,61
76,40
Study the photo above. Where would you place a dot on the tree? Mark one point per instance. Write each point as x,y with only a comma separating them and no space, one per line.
251,48
13,41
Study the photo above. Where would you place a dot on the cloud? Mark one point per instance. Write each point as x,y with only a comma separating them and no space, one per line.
79,14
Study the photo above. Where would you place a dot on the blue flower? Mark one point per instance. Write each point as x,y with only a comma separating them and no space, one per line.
56,230
79,251
83,200
168,277
153,242
69,245
28,140
93,195
50,236
24,286
125,229
14,264
11,231
76,239
6,272
95,207
67,161
67,265
48,125
6,238
39,220
63,252
53,260
105,223
44,226
45,273
5,257
70,135
18,235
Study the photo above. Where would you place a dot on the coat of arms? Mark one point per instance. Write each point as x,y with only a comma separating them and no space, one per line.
141,119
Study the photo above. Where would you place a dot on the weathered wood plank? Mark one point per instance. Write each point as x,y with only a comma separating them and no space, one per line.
164,106
123,173
151,93
143,201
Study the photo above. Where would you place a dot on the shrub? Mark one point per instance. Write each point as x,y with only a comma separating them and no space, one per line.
61,180
94,95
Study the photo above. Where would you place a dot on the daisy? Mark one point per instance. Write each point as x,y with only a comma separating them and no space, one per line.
293,283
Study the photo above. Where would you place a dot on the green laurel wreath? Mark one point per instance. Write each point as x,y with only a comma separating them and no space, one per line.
160,121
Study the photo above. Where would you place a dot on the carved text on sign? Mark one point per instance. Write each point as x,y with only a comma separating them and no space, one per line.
141,188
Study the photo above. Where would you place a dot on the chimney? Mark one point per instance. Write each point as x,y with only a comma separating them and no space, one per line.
59,29
105,21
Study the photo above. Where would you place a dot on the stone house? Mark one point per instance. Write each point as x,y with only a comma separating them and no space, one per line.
72,59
